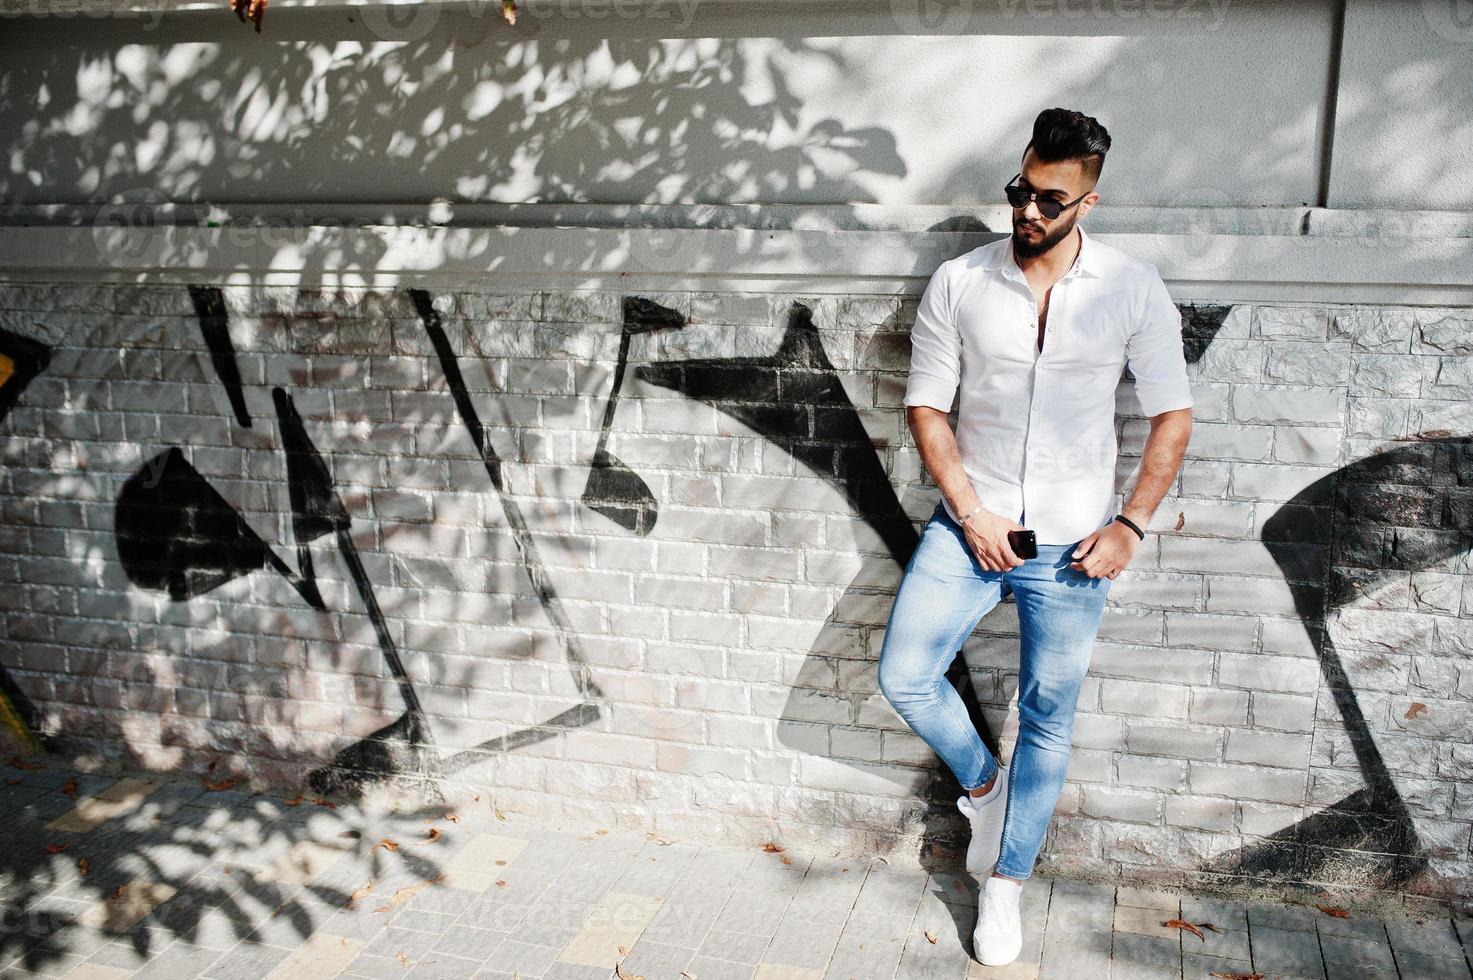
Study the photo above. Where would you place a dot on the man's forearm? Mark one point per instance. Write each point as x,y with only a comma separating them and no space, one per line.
1160,461
943,460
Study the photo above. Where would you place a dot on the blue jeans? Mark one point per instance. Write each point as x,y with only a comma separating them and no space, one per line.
943,595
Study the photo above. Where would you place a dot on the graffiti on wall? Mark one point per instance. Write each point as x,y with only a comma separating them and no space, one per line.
21,360
178,535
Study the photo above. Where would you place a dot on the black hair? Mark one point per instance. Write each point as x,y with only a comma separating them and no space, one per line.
1062,134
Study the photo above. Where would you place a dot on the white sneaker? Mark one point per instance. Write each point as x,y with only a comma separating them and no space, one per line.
998,938
985,815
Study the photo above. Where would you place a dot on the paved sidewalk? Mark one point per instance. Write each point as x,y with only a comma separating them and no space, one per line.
105,879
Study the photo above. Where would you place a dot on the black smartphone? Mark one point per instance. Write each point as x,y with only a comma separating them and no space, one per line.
1024,543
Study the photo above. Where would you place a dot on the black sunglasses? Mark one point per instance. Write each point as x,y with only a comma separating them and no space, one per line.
1047,206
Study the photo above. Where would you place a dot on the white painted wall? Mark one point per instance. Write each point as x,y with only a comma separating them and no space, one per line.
823,104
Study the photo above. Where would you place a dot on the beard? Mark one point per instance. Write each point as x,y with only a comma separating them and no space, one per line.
1032,248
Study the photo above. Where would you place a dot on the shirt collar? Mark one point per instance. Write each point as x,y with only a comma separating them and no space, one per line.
1086,263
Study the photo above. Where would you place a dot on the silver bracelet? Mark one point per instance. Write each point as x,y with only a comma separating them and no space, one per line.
970,514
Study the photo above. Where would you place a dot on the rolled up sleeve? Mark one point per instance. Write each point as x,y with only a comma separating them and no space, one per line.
935,349
1155,354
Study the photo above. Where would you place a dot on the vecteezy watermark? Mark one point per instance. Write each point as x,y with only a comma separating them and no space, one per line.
150,11
413,21
1451,20
130,230
942,20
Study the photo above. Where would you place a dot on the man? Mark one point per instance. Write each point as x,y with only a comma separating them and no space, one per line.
1033,332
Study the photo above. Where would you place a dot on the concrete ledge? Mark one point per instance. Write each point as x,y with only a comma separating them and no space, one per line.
1198,266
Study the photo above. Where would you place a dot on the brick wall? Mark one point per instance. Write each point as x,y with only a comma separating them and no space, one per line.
630,557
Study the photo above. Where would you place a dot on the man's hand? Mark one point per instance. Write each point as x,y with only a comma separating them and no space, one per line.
987,536
1106,552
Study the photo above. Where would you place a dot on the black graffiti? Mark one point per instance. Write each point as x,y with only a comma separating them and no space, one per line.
587,711
214,326
407,744
176,534
794,399
613,489
1345,535
21,360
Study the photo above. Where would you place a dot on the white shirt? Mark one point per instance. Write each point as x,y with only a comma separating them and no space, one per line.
1036,430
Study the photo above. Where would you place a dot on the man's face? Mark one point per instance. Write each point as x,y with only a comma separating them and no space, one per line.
1033,234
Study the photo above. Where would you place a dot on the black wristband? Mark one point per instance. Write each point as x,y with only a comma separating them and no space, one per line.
1131,524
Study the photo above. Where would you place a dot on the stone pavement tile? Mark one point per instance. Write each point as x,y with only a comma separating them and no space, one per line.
1279,916
1423,966
950,926
713,868
123,955
769,971
1201,966
1355,955
1147,922
74,939
710,968
246,961
1288,951
828,891
552,921
858,958
470,944
1083,956
91,971
520,888
178,960
891,891
373,967
1427,937
1222,913
393,941
120,798
802,943
50,965
124,907
945,959
1232,944
1355,927
451,901
519,957
592,875
425,920
321,955
757,909
735,947
617,921
680,924
436,966
1148,898
1016,970
958,889
655,870
1137,955
651,959
1078,907
493,911
478,865
575,971
877,927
